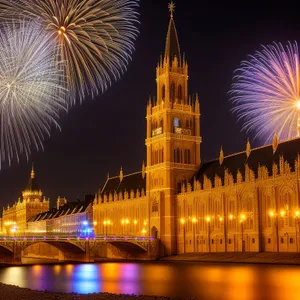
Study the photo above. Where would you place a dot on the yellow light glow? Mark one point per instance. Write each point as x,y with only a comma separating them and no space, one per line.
282,213
127,221
108,222
144,230
230,217
243,217
194,220
135,222
123,221
298,104
104,222
207,219
271,213
221,219
145,223
182,220
95,223
297,213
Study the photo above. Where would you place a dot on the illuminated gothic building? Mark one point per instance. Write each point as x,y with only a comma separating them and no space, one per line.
15,217
246,201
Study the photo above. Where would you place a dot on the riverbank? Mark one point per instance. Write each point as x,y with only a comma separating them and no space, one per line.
12,292
239,257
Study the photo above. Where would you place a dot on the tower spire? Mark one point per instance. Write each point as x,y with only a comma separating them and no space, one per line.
172,44
32,174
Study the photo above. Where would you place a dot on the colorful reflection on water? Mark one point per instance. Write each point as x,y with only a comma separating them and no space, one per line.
183,280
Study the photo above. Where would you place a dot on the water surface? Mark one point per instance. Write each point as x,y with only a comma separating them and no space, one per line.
174,279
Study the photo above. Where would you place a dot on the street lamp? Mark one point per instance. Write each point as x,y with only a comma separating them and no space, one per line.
242,219
144,231
182,221
194,221
208,219
106,223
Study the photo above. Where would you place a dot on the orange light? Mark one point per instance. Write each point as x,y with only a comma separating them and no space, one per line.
221,219
230,217
194,220
182,220
271,213
207,219
282,213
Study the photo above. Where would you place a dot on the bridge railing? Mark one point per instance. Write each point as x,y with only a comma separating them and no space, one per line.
66,238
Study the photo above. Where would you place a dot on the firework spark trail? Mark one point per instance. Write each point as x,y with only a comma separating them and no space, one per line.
96,37
31,89
265,92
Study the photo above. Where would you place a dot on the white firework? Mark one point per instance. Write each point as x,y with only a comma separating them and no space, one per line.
32,89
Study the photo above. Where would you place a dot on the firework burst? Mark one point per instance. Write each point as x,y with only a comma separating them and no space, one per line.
31,94
96,37
266,92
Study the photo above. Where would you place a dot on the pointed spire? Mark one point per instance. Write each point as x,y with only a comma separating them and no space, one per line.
275,143
32,174
248,148
121,175
221,156
172,43
143,170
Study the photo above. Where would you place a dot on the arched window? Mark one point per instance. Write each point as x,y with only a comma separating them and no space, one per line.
189,156
163,92
178,155
185,156
187,124
172,92
176,122
180,93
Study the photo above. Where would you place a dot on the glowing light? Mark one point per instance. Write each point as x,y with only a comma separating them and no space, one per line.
297,213
31,89
182,220
230,217
271,213
194,220
95,38
266,92
207,219
243,217
85,223
135,222
282,213
221,219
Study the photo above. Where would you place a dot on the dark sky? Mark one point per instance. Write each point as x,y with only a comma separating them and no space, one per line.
103,134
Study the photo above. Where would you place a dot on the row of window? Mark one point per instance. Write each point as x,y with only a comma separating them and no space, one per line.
213,241
158,156
182,156
176,123
281,240
173,93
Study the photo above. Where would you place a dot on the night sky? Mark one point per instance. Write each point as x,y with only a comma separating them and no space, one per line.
103,134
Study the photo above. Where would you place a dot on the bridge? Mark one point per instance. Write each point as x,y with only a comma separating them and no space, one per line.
81,248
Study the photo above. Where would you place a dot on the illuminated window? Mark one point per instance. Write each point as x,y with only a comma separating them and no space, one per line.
176,122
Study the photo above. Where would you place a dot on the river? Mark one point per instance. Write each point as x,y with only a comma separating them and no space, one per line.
175,279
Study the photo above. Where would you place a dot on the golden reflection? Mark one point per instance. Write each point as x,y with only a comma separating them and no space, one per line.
37,270
69,270
57,269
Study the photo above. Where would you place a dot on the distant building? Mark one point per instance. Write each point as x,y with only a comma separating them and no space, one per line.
72,217
15,217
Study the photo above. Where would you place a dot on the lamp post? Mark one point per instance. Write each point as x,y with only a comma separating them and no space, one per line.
242,219
182,221
208,219
194,221
106,223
